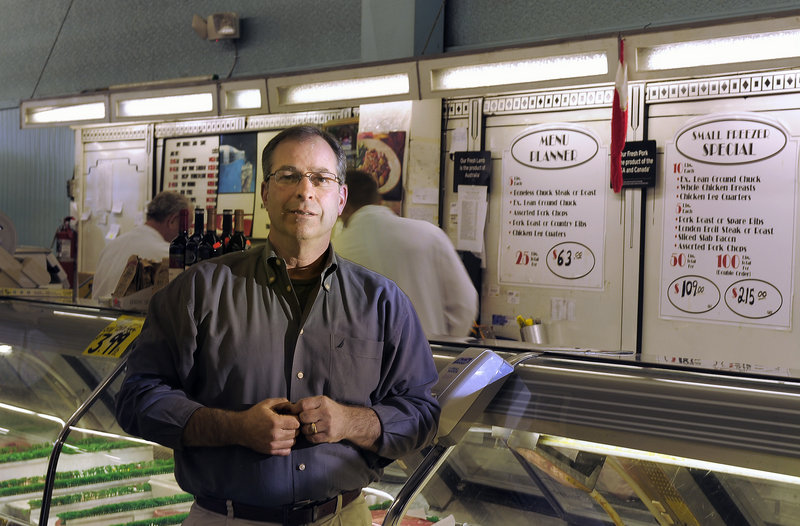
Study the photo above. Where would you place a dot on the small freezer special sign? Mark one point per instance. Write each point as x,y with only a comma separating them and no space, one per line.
729,221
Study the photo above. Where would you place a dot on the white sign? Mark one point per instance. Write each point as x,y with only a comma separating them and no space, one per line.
472,217
555,181
729,212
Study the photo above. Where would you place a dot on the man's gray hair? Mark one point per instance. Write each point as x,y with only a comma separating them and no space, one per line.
165,204
301,133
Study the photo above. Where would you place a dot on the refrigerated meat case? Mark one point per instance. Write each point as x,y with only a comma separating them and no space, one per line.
570,437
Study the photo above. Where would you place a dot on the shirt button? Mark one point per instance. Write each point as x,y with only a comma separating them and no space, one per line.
300,374
327,286
301,331
301,467
271,280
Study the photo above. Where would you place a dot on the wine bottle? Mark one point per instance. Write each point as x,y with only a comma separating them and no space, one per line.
193,245
238,240
210,246
227,229
177,248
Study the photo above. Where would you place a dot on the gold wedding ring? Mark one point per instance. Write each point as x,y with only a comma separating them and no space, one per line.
313,428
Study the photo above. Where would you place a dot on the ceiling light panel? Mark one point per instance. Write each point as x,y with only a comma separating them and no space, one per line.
725,50
519,69
73,110
384,83
243,97
190,101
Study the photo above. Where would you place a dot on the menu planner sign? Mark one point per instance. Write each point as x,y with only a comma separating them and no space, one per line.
729,216
555,181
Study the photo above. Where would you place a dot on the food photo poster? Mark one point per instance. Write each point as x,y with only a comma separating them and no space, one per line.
381,154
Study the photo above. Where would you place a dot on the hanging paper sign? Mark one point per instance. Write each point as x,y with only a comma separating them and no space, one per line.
729,214
555,180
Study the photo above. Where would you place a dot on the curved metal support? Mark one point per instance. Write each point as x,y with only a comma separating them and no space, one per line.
50,479
429,465
519,358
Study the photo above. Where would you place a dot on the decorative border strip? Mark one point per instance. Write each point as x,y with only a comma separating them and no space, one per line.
282,120
718,87
216,125
536,102
203,127
116,133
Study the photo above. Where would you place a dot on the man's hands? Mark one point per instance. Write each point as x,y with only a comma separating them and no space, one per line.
273,425
323,420
261,428
264,429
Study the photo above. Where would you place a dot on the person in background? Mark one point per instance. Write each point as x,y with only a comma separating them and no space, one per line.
148,241
283,378
415,254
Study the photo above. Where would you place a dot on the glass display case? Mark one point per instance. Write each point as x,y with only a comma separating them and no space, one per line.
586,438
567,437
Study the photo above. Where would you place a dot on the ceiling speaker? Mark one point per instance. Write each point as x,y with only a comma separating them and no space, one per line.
218,26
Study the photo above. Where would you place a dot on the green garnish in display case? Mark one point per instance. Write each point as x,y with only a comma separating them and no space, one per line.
86,496
158,521
84,445
119,507
68,479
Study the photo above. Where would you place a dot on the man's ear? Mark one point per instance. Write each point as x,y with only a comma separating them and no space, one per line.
342,198
264,192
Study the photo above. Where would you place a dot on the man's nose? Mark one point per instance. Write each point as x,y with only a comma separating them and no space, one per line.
304,188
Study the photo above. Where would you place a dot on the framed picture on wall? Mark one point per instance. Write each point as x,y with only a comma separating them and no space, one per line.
346,132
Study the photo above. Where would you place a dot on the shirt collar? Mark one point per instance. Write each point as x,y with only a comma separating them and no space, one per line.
275,267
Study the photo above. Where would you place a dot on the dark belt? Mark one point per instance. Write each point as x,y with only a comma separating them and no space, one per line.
286,515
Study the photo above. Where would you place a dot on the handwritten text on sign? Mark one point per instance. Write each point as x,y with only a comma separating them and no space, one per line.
115,337
555,179
729,214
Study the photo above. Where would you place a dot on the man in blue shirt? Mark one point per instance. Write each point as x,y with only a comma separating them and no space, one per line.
286,378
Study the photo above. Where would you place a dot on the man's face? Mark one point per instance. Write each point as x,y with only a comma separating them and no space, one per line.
303,213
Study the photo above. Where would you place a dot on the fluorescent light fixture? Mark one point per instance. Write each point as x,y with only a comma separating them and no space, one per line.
5,349
349,89
726,50
167,105
606,449
81,315
520,71
72,113
243,99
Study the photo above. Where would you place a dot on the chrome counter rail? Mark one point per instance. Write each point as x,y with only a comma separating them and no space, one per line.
50,478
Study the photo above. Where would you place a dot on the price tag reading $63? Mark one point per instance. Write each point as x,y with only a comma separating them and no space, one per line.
115,338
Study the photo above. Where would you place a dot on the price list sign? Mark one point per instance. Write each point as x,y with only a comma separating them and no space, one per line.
555,181
191,168
729,215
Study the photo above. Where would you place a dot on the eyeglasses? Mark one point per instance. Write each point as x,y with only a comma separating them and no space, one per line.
288,177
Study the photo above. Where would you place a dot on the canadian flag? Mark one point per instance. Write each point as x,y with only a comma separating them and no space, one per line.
619,119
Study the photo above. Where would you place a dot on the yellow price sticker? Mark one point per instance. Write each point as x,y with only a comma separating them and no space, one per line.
115,337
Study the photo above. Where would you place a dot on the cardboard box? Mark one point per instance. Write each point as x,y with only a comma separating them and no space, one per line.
139,281
137,301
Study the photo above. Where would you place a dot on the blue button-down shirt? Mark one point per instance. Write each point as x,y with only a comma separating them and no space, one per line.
229,332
